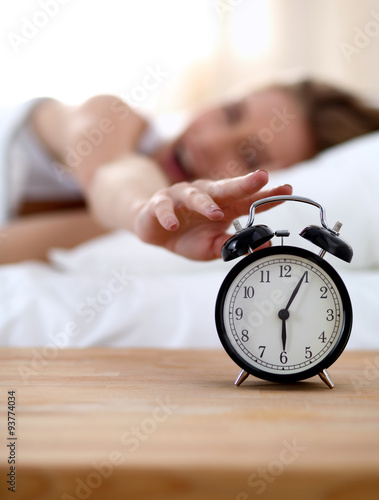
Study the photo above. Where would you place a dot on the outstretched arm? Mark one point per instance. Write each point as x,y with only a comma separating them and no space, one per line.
188,218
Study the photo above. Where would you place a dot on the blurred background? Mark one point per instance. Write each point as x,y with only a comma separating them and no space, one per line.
166,55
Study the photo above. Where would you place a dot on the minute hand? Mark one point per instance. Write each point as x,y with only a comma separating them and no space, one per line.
294,293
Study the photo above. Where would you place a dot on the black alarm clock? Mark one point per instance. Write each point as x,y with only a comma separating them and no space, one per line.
283,313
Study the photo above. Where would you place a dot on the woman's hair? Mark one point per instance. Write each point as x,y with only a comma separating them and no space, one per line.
333,115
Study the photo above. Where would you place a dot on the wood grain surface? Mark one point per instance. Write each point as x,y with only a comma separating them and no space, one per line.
169,424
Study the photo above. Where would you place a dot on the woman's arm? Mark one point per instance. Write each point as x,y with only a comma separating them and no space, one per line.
31,237
188,218
82,138
128,191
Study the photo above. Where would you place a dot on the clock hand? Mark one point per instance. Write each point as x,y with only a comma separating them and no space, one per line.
284,314
294,293
284,334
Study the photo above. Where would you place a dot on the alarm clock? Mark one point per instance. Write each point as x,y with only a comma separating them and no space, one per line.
283,313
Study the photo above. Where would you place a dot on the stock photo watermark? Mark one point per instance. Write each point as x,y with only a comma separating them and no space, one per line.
253,143
260,479
130,442
369,373
362,37
32,25
87,311
150,81
225,7
11,441
92,138
119,109
266,308
248,148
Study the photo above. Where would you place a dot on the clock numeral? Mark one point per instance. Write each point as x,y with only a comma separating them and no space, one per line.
239,313
308,352
285,271
306,280
323,291
322,337
248,292
263,347
283,357
265,278
330,315
244,335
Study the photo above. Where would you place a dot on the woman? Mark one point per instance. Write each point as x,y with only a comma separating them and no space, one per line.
181,195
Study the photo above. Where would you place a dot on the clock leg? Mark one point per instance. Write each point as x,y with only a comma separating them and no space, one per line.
241,377
325,377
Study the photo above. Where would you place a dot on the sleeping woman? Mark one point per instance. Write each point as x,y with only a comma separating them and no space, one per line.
77,172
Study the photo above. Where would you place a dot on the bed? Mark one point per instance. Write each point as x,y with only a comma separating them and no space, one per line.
119,292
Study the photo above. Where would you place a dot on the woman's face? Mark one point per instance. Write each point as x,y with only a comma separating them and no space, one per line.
267,129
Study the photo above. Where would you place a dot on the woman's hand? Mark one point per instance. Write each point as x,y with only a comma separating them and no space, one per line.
191,218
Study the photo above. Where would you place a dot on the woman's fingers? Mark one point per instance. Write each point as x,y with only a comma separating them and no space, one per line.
211,198
242,207
162,207
165,204
197,199
236,188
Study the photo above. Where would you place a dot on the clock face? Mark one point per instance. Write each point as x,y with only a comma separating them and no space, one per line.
283,314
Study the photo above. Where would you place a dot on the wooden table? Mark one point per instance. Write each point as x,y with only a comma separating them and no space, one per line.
154,424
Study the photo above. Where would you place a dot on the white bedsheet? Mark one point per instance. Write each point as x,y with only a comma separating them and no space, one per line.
117,291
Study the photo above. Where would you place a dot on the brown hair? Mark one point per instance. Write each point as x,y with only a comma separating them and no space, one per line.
333,115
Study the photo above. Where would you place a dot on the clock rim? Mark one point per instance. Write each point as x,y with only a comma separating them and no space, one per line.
346,317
